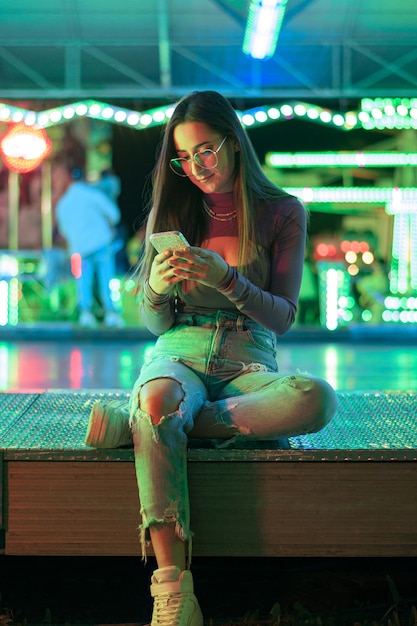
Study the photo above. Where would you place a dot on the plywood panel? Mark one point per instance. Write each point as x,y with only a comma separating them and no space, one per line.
237,508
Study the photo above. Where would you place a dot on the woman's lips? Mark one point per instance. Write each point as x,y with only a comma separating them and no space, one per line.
204,180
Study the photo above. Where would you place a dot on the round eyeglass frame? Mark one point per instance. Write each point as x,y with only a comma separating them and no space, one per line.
196,155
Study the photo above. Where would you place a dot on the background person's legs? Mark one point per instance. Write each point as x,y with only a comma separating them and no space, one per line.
85,291
105,268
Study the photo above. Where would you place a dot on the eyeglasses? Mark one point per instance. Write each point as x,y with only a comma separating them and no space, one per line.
206,158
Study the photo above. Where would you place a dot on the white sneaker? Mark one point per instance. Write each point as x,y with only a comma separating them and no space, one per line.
113,320
87,320
174,601
108,425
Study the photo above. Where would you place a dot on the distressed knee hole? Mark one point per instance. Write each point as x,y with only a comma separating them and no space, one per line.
160,397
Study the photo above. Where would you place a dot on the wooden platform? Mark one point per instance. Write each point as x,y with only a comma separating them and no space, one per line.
350,490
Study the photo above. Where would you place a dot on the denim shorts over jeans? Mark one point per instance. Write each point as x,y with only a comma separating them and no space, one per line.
227,367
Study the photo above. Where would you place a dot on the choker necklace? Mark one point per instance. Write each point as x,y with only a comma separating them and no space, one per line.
222,217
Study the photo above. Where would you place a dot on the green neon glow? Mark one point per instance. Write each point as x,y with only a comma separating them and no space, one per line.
387,104
105,112
334,290
401,202
251,118
340,159
396,196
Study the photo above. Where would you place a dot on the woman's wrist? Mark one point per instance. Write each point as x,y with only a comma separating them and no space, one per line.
153,296
225,282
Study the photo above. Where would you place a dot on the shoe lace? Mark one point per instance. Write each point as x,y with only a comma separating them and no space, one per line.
167,609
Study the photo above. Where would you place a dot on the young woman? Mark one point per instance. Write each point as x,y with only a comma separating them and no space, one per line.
216,306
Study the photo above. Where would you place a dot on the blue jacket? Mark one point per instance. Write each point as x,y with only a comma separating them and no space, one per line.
86,218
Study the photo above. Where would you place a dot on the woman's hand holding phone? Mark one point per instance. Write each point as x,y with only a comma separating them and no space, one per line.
179,261
162,279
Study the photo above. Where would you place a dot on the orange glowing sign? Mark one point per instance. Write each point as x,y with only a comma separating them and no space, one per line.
23,148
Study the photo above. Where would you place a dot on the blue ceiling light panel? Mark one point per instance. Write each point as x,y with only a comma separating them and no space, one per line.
262,27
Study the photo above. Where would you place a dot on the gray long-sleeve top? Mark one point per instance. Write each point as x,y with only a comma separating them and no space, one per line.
268,293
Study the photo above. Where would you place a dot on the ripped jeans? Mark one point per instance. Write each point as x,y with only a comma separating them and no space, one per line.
226,365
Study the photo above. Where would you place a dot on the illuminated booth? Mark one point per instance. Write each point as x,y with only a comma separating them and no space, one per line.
23,149
350,270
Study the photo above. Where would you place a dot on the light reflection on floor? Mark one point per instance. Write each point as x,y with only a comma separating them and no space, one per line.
29,365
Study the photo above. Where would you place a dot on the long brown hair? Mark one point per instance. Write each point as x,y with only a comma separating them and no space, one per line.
177,204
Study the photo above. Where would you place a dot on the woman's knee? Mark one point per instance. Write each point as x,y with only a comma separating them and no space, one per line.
160,397
324,404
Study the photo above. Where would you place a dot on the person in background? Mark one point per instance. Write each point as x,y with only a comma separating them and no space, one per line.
110,184
87,218
217,307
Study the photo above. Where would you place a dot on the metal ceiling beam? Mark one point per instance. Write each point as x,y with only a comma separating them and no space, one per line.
121,68
387,68
30,80
73,77
24,69
215,70
164,44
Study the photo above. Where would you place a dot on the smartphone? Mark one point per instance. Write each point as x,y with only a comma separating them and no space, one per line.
169,240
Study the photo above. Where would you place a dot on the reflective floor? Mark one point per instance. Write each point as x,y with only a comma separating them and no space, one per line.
97,363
